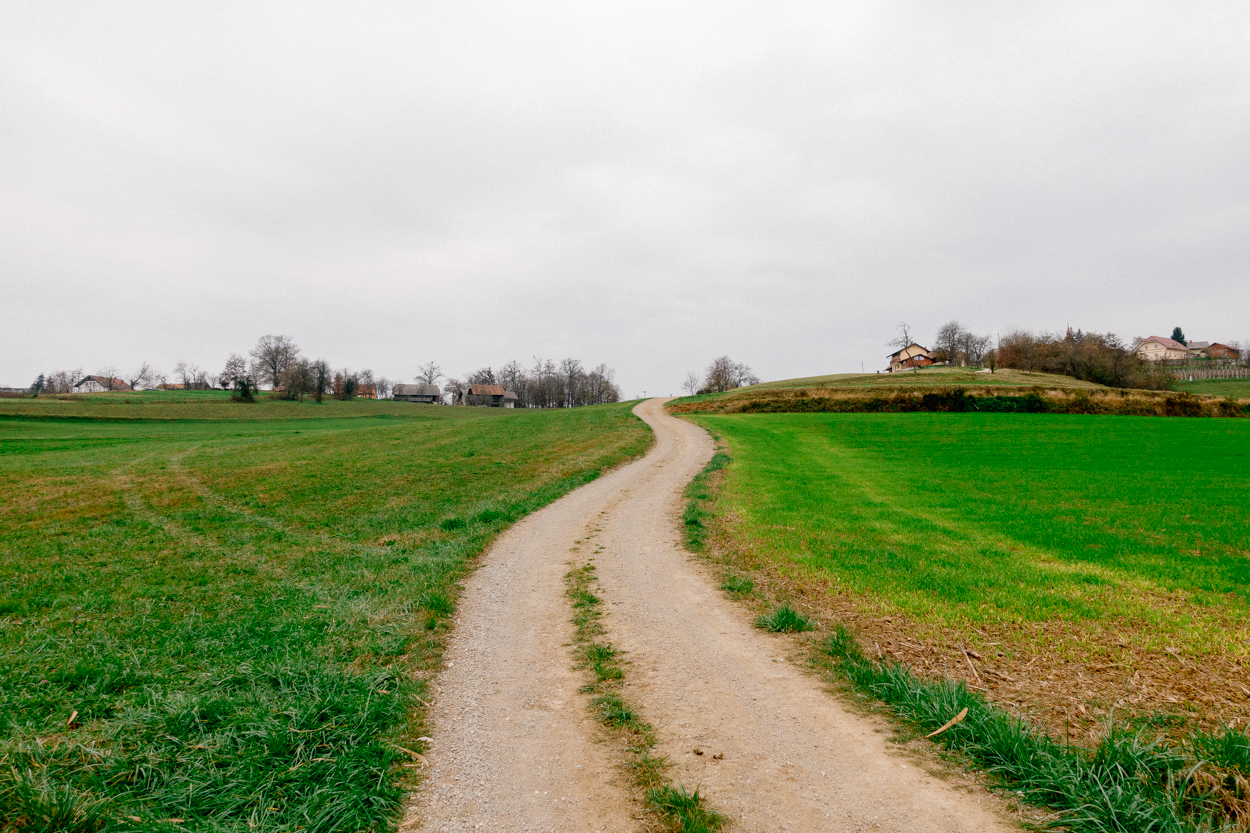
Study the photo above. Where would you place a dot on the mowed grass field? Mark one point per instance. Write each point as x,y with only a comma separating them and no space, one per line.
227,621
1235,388
1090,563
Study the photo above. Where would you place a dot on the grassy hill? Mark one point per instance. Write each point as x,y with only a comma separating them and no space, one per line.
954,389
925,377
223,617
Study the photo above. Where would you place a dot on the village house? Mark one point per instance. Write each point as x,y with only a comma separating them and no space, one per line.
911,356
1160,349
1223,351
488,396
100,384
430,394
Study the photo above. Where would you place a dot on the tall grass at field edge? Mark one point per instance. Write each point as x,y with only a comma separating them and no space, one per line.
1129,782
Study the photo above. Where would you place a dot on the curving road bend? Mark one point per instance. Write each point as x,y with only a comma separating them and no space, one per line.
514,749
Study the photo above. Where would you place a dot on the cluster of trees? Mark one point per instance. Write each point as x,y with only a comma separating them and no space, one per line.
547,384
1094,357
278,362
958,346
721,375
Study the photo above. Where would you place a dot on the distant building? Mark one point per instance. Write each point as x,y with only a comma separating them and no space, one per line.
100,384
429,394
171,386
1198,349
1223,351
1160,349
911,356
486,396
366,391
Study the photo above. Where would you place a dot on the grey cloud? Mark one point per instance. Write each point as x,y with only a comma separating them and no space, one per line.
645,185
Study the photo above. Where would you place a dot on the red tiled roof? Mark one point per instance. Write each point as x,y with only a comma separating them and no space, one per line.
1167,342
485,390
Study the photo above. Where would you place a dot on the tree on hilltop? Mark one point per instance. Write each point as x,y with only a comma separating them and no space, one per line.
725,374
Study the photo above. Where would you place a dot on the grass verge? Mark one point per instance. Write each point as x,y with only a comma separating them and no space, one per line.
673,807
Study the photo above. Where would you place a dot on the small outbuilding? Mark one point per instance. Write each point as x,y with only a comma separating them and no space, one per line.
429,394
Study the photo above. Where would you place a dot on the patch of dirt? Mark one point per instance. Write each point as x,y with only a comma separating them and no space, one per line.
1063,677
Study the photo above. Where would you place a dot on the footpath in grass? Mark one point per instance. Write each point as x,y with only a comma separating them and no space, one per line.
1068,594
230,624
1090,563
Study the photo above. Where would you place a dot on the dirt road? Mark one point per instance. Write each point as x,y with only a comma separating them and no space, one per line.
514,749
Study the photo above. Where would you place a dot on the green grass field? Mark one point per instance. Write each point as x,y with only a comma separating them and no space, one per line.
1091,542
222,617
971,517
1079,586
1236,388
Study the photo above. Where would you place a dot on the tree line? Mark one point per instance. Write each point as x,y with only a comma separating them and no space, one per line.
278,363
545,384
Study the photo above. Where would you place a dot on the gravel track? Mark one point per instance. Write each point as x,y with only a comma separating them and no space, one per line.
514,749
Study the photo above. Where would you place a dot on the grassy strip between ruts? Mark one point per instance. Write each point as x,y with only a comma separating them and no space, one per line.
674,807
1128,782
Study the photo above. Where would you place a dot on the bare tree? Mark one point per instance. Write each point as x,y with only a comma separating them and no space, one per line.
236,368
109,374
975,348
570,377
188,373
273,354
452,389
692,383
141,378
320,375
948,342
429,373
383,387
902,339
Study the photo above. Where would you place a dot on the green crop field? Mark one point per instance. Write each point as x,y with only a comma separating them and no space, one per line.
218,616
1089,542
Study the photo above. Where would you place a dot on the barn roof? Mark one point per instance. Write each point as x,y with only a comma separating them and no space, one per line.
417,390
486,390
103,381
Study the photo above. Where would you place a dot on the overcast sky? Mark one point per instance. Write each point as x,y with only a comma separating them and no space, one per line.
646,185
